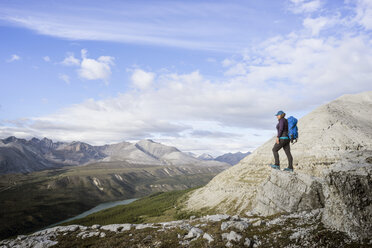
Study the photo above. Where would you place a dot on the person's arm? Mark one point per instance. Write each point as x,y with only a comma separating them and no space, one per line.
281,128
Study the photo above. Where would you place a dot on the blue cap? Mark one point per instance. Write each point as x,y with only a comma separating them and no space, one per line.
279,113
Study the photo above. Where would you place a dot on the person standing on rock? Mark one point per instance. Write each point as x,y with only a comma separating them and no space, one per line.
282,141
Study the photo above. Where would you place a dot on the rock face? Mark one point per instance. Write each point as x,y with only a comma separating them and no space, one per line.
285,192
348,199
327,134
344,193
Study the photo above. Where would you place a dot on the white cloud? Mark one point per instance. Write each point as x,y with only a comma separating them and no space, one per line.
179,105
65,78
46,58
316,24
236,69
364,13
70,60
91,69
142,79
305,6
227,62
211,25
13,58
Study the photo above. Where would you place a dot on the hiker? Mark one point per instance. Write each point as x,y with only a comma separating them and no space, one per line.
282,141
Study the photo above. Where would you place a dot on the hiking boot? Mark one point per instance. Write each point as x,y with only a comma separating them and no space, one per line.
274,166
288,169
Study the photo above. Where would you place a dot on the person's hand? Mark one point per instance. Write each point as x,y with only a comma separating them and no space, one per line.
277,140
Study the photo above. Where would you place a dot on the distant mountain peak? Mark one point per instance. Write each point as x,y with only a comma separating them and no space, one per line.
232,158
206,156
10,139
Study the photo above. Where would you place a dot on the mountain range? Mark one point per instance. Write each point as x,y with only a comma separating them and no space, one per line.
39,177
24,156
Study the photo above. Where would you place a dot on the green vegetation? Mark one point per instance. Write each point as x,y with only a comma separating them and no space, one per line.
161,206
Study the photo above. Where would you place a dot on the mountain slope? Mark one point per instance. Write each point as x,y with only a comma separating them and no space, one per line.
232,158
23,156
327,134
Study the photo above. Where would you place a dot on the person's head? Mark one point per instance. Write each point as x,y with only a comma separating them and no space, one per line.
280,115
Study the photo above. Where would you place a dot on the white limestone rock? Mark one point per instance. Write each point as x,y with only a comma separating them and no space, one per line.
232,236
284,192
208,237
117,227
217,217
348,200
259,223
247,242
239,225
194,233
96,226
143,226
88,234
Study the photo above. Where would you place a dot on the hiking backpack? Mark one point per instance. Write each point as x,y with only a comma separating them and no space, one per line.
292,129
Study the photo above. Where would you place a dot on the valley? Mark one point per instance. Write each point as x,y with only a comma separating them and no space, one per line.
31,201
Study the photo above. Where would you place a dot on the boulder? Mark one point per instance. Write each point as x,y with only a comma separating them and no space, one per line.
239,225
217,217
194,233
117,227
208,237
231,236
285,192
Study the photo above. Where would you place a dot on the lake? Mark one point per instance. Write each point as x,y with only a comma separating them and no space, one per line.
95,209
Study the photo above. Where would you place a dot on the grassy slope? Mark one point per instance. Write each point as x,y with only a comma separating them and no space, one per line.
161,206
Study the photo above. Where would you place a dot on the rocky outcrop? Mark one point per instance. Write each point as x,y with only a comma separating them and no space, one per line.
345,194
327,135
286,192
348,199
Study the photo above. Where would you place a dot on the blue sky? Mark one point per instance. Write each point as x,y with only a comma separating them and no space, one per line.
204,76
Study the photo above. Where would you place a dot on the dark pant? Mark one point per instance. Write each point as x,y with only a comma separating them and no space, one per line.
285,144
